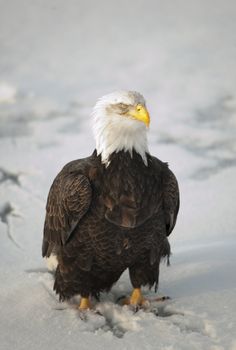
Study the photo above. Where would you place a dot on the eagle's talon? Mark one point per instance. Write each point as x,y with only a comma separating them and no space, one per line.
164,298
122,300
145,303
160,299
134,308
83,315
155,311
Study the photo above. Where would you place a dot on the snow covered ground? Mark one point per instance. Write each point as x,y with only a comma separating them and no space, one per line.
56,59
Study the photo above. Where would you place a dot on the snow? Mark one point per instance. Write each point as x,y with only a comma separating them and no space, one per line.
7,93
56,60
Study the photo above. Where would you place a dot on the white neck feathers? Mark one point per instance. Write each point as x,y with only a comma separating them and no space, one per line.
114,133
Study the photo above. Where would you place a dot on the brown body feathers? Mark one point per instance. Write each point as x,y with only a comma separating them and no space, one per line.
102,220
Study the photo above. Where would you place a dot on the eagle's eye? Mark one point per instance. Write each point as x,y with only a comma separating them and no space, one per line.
122,107
139,107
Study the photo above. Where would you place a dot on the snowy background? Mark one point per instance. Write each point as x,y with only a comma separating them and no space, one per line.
56,59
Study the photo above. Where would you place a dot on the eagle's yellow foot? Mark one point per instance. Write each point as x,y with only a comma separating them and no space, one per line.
85,304
136,300
137,297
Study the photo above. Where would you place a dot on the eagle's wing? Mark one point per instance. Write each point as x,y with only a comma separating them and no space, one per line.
68,201
171,199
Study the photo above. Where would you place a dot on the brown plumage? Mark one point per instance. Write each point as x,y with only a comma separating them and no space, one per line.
101,221
111,211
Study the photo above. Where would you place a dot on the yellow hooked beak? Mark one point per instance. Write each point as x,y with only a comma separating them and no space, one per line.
140,113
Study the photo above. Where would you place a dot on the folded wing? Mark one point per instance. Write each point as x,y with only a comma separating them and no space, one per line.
171,200
68,201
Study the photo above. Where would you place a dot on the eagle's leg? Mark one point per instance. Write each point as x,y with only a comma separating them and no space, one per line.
136,298
85,304
141,274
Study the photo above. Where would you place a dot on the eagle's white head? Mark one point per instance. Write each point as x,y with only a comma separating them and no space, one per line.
120,123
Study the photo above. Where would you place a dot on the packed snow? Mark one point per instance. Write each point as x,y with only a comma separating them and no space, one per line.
56,59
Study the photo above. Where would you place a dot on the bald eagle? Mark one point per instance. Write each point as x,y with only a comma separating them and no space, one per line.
113,210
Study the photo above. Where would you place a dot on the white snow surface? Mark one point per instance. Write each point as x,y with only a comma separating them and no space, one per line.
56,59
